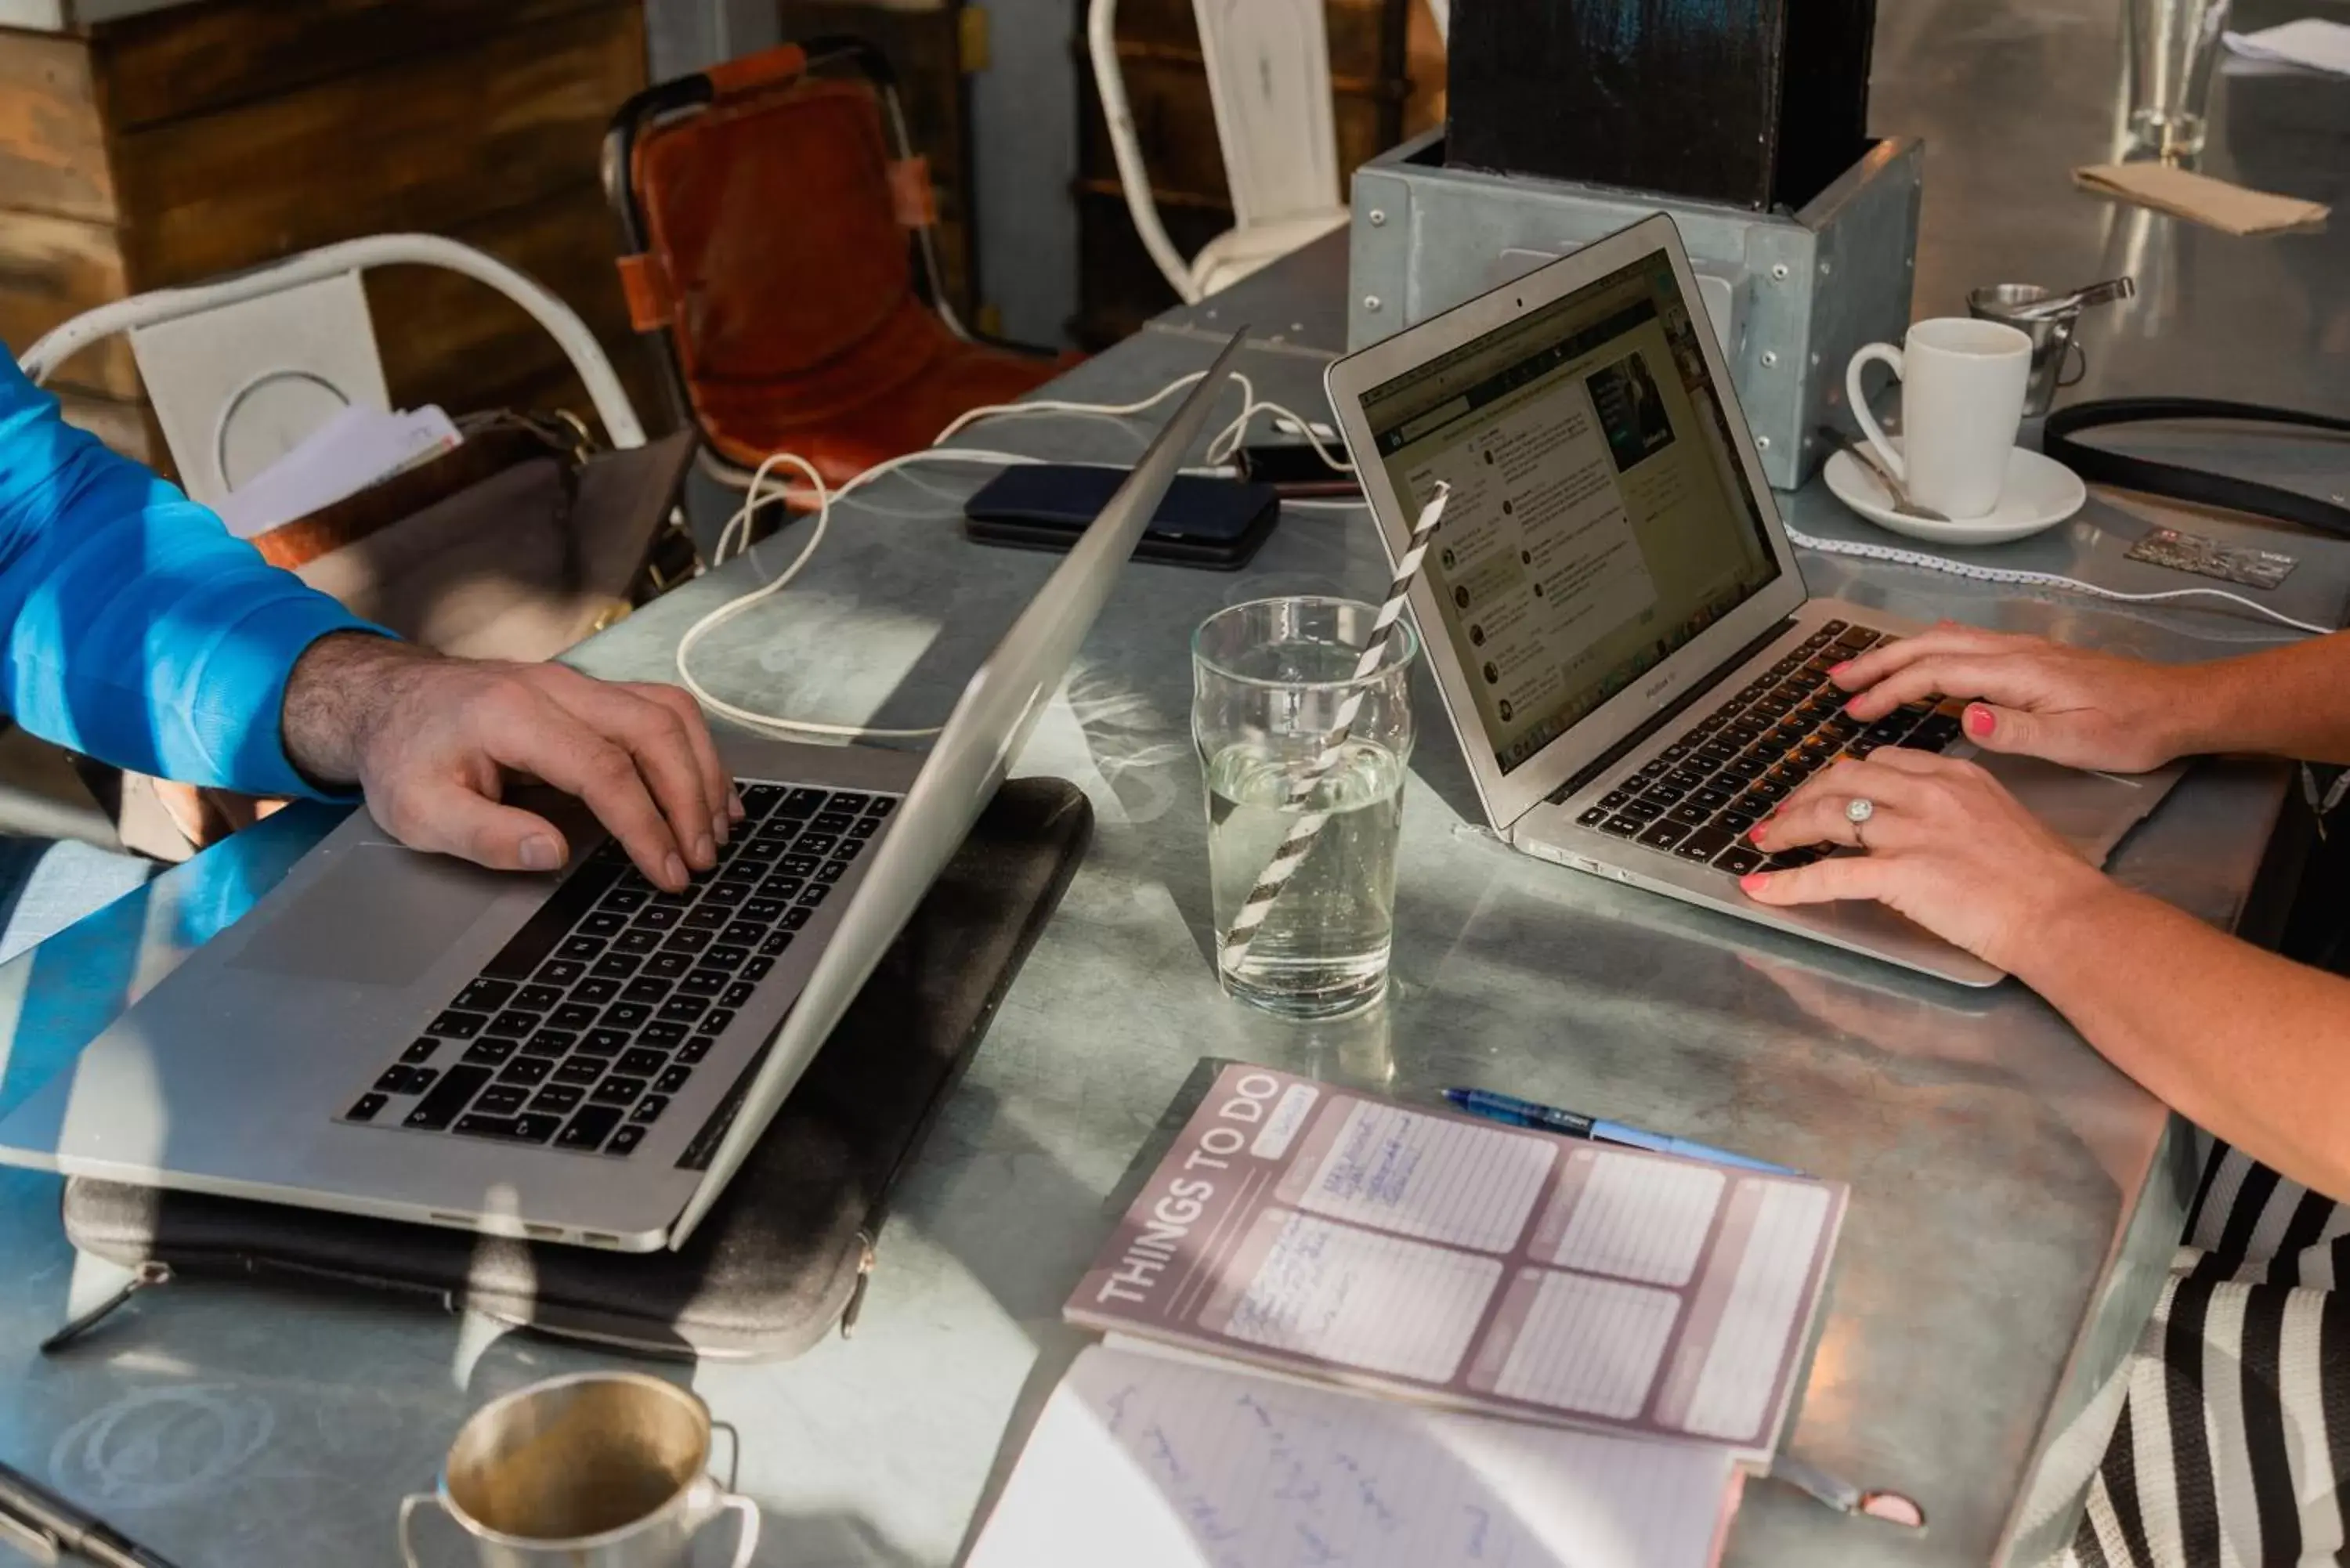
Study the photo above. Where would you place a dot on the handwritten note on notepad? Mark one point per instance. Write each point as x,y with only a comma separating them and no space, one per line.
1418,1176
1355,1297
1147,1463
1421,1252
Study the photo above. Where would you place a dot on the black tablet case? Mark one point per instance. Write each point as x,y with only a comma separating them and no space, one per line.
782,1256
1216,524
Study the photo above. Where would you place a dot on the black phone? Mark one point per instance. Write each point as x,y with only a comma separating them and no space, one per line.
1214,522
1294,468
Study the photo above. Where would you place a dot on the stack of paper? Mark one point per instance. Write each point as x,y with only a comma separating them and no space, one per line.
355,449
2315,45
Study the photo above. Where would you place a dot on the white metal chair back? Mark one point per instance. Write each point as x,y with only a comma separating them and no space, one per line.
1268,65
240,369
1269,75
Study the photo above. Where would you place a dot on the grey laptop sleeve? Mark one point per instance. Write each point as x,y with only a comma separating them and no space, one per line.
791,1246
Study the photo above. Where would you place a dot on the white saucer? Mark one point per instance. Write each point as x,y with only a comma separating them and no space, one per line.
2040,493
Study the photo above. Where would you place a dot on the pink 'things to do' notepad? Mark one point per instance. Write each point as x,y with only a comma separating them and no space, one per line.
1659,1306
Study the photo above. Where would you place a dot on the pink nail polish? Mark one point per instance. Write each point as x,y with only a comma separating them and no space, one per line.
1836,670
1981,721
1753,881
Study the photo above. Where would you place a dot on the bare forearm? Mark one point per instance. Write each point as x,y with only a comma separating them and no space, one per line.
2292,702
339,693
2249,1046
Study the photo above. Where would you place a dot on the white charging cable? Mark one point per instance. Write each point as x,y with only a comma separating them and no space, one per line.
1220,450
735,536
753,497
1897,557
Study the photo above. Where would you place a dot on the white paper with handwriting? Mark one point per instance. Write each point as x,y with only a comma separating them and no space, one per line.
1149,1462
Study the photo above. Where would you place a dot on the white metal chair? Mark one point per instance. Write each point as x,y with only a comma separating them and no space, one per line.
1268,65
242,368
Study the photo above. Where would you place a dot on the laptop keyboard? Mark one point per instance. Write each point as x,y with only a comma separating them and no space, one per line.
1696,797
596,1013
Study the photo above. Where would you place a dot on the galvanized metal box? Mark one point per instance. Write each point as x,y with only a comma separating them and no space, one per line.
1792,294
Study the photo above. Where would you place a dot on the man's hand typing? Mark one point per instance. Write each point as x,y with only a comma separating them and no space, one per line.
433,741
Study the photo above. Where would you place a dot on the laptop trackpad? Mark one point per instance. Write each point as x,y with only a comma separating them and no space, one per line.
381,916
2092,812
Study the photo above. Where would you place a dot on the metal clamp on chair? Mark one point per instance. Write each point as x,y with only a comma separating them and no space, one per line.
765,210
1268,64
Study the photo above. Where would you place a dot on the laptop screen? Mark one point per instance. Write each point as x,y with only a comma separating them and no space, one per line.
1599,519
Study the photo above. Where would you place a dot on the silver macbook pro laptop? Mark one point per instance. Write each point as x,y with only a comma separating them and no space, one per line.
1613,611
577,1058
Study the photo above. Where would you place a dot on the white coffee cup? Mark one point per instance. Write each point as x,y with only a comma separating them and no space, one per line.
1962,386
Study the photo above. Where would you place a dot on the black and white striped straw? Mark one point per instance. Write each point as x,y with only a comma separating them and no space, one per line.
1298,843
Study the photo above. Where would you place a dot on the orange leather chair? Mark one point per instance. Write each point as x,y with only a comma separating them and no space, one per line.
767,225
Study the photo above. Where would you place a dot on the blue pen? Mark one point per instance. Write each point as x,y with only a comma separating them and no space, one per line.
1520,1113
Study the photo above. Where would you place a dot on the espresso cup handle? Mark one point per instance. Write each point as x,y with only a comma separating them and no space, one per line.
747,1543
1890,357
408,1507
2074,354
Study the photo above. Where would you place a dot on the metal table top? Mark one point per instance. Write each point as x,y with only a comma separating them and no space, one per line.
2014,1198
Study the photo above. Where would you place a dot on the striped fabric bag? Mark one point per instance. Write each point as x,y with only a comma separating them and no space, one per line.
2233,1448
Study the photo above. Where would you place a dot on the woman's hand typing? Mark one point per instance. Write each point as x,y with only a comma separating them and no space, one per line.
2041,698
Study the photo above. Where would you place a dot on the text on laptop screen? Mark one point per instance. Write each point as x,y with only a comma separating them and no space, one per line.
1599,519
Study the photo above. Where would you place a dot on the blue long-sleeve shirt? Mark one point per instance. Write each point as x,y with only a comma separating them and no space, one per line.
133,627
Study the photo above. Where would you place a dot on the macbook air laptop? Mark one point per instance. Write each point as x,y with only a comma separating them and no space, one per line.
1611,606
581,1057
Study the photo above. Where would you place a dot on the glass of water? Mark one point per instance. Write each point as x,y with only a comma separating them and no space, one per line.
2172,47
1269,681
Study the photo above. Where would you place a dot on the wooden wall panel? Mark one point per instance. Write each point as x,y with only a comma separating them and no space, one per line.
1424,63
214,136
414,145
128,427
52,135
52,269
197,59
1168,92
447,339
1122,288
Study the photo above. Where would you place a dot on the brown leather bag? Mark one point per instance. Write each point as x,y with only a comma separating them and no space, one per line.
515,546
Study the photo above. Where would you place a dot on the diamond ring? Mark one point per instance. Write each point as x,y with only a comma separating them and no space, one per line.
1857,811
